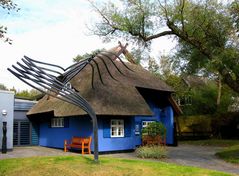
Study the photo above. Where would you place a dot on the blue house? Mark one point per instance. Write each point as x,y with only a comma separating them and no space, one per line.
124,104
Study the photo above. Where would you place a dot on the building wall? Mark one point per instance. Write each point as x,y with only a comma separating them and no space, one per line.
164,115
25,132
82,126
107,143
7,103
54,137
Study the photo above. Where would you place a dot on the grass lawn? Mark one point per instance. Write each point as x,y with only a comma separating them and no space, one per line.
212,142
84,166
230,154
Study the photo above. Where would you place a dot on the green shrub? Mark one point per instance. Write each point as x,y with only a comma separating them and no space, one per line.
156,152
154,129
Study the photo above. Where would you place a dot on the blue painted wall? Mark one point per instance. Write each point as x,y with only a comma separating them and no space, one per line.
54,137
106,143
82,126
164,115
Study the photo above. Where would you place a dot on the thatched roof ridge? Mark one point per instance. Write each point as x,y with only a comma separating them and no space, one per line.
116,96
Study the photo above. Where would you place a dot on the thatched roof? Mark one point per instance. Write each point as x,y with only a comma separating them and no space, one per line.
119,97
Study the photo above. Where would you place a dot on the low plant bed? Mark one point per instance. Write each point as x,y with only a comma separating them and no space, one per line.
84,166
156,152
230,154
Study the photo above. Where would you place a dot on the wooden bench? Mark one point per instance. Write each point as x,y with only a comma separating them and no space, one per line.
79,143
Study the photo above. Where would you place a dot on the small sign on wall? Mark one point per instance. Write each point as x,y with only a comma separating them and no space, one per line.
137,129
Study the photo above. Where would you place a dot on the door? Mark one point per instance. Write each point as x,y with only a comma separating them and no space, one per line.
21,133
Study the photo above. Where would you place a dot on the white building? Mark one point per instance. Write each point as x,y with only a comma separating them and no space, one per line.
6,115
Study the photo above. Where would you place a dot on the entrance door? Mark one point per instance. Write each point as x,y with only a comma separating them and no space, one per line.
21,133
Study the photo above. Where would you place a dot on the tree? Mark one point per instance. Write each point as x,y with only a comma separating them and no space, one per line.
87,55
8,5
208,27
3,87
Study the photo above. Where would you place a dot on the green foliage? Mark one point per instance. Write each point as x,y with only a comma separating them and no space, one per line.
153,129
28,94
3,87
87,55
207,31
8,5
196,123
156,152
153,66
225,125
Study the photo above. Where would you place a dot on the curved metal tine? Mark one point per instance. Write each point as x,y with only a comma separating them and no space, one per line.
36,67
54,82
74,72
60,84
60,87
34,73
107,68
56,87
28,70
44,74
98,70
46,92
23,72
78,69
30,76
92,75
75,64
106,56
44,63
119,59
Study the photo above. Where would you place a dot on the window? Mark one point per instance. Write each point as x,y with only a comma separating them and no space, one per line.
57,122
117,128
146,123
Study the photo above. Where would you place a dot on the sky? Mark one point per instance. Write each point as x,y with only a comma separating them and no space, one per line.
53,31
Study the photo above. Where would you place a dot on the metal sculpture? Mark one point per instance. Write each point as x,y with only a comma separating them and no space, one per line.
4,137
52,80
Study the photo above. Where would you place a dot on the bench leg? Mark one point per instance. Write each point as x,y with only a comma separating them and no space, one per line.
89,150
83,148
65,149
65,146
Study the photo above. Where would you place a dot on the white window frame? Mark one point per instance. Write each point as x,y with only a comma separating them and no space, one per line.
57,122
146,123
119,123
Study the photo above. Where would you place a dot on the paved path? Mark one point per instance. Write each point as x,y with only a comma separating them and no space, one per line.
190,155
23,152
200,156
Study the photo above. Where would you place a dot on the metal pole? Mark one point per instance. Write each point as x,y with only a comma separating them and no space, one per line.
95,133
4,138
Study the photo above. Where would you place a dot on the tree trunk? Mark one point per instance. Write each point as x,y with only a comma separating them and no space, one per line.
219,90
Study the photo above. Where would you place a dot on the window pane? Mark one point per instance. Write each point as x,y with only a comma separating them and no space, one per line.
113,122
120,131
120,122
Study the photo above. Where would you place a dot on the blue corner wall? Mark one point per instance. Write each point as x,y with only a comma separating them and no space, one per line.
164,115
82,126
